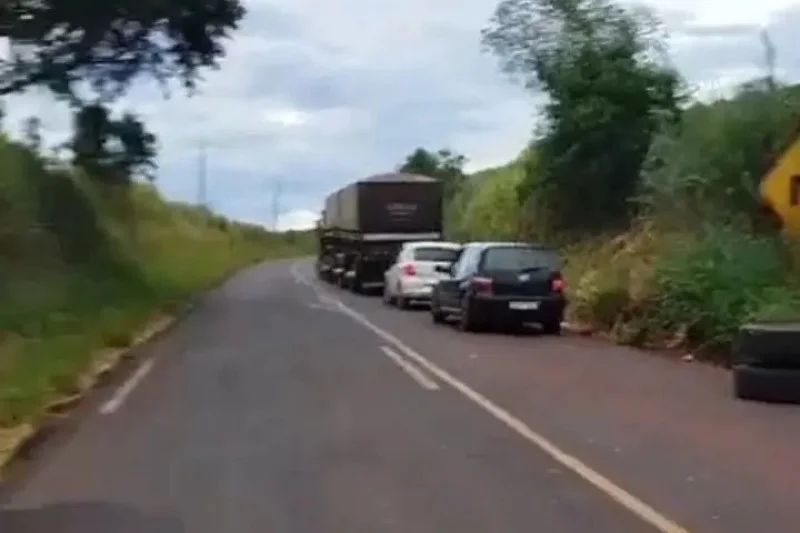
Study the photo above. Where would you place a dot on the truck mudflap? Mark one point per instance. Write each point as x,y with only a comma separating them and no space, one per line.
359,282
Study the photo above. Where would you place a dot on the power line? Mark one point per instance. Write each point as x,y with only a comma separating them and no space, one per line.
202,177
276,203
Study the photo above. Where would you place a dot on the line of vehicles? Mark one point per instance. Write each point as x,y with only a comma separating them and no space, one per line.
385,233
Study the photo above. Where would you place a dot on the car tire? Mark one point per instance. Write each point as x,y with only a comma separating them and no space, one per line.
437,316
400,300
387,296
552,327
355,286
466,320
766,384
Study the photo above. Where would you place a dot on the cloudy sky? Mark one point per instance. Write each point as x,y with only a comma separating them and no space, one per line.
314,94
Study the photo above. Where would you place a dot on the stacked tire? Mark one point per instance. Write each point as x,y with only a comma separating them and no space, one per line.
767,367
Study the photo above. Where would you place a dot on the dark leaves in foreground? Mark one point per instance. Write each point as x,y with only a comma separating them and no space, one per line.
69,45
117,149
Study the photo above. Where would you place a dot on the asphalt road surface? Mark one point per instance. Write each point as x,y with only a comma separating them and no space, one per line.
280,405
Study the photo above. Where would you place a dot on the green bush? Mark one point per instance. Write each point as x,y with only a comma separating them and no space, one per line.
711,285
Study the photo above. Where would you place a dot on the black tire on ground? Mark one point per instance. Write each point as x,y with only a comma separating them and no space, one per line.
769,344
766,384
552,326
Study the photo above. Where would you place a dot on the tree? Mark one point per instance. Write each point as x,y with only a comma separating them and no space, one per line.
608,90
444,165
61,44
138,147
116,149
421,162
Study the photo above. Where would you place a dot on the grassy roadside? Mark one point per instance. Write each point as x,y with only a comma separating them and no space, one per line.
85,266
692,290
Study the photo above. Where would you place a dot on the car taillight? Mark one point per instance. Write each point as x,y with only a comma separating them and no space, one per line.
558,283
482,285
409,270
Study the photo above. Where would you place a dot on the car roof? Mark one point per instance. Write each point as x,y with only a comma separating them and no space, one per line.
398,177
506,244
426,244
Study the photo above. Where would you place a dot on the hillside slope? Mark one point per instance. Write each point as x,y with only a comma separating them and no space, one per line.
83,266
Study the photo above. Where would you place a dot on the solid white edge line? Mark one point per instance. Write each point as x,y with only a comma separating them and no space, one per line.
633,504
122,393
416,374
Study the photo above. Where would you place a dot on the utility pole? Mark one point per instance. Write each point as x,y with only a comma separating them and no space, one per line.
276,204
201,175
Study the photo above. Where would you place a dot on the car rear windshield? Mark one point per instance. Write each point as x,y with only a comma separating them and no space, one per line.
520,258
437,254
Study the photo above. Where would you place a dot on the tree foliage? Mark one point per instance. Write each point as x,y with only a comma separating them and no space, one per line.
608,90
68,45
710,165
116,149
442,164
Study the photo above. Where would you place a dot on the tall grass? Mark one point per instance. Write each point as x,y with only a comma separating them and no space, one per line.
84,265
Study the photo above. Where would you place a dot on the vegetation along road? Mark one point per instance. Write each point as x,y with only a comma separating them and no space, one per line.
280,405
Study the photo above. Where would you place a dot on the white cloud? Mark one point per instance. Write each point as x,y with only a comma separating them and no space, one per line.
5,49
286,117
298,219
314,94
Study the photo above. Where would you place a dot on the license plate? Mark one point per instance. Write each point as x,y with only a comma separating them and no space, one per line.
523,306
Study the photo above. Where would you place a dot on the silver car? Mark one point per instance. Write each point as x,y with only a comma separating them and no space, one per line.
413,273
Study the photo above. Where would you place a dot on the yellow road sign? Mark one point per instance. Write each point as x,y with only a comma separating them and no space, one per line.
781,188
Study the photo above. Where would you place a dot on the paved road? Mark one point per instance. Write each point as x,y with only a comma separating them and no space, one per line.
276,408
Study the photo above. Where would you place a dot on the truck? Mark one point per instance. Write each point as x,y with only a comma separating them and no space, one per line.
364,224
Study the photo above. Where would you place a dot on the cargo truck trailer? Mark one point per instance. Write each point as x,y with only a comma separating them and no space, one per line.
364,224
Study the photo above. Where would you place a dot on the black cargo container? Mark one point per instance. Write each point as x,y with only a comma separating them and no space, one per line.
386,203
364,224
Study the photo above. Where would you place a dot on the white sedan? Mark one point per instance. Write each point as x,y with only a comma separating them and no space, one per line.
413,273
